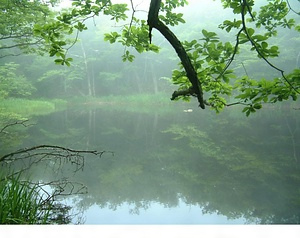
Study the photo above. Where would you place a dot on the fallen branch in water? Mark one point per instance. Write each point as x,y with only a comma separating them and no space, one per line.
54,148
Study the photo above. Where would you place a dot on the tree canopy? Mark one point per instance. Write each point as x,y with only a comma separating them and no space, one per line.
17,20
207,67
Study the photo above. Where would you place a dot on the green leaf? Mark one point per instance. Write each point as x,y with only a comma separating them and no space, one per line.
250,31
59,61
128,57
257,106
264,45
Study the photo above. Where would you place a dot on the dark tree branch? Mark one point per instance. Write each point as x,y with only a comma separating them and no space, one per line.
184,92
54,148
23,123
185,60
234,52
237,103
153,16
154,22
245,3
132,15
16,36
7,55
20,45
290,7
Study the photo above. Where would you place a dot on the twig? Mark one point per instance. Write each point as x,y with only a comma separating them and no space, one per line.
15,123
234,53
298,13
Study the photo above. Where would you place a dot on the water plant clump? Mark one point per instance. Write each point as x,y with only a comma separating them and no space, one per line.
22,202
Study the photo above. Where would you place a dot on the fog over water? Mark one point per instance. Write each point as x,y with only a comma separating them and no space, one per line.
176,165
163,161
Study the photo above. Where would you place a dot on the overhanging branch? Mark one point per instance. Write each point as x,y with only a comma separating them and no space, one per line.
253,43
154,22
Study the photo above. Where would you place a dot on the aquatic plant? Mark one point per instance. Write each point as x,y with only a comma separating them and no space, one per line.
21,203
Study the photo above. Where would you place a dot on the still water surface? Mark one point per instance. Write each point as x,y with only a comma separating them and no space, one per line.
177,166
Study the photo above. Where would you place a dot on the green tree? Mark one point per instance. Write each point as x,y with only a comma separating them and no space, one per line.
17,18
205,70
13,83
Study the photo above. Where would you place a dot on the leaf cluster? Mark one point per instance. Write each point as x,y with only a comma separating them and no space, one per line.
134,35
73,21
171,18
256,92
17,19
209,56
271,16
274,15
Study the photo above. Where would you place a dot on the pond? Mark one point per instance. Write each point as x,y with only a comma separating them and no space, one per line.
175,165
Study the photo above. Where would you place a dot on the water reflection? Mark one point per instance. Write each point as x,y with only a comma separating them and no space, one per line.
155,214
169,166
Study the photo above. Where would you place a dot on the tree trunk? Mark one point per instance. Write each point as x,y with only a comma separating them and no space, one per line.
88,78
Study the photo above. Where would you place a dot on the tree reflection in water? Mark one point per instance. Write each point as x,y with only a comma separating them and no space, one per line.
241,168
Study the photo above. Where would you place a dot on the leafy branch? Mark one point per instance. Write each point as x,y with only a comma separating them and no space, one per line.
74,20
257,91
254,44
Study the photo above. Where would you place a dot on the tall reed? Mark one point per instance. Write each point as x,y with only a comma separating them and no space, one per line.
21,203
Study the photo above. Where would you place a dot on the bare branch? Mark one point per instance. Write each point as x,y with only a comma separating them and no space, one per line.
70,152
23,123
20,45
7,55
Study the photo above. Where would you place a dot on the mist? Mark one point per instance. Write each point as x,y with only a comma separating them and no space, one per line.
162,161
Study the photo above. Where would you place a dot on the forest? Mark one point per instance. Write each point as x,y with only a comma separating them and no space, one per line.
139,105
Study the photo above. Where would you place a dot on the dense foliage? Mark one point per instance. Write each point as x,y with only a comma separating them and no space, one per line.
253,23
17,20
254,27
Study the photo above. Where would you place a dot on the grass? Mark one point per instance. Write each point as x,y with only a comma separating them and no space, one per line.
28,108
21,203
145,103
124,99
24,108
24,202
